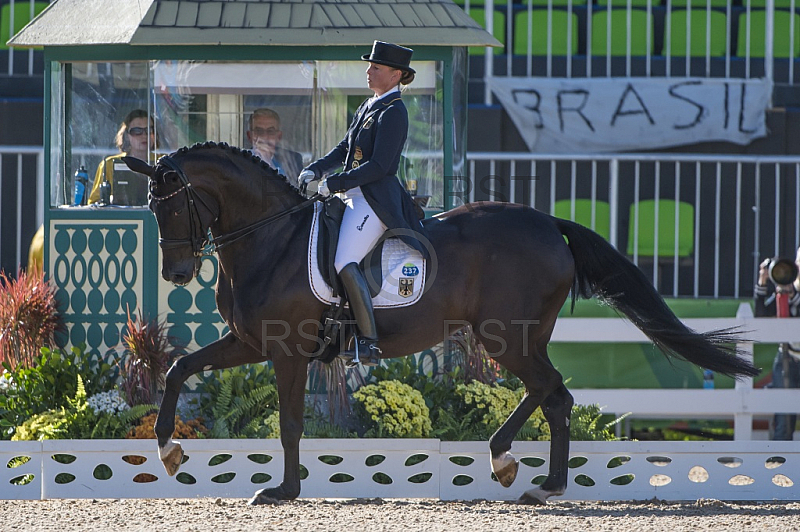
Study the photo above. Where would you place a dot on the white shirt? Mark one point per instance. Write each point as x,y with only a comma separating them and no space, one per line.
384,95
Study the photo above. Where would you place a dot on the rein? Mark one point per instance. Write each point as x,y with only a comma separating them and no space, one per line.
196,240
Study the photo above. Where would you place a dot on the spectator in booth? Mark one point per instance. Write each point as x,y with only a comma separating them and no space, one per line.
765,305
264,134
136,137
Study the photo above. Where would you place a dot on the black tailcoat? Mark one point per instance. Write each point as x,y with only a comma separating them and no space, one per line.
370,153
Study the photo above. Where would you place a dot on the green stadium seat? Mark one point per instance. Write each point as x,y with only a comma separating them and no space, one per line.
478,4
624,3
699,4
640,22
763,3
558,39
782,47
22,15
583,214
479,16
559,3
646,223
678,22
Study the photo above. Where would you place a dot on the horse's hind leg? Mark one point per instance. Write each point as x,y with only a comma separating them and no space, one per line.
226,352
557,408
540,379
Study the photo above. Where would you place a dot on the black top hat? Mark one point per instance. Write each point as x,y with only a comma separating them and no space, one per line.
392,55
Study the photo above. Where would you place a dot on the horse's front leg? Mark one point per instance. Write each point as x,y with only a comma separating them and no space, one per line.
226,352
291,373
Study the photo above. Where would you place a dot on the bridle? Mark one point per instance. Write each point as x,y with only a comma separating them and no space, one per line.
198,240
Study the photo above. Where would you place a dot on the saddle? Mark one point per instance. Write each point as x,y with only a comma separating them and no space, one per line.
394,271
330,221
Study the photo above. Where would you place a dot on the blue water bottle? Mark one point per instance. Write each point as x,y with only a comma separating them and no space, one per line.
81,182
708,379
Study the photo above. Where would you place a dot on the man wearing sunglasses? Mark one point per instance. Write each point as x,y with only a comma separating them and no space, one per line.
264,133
136,137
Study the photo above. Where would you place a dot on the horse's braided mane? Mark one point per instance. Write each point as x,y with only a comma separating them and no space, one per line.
247,154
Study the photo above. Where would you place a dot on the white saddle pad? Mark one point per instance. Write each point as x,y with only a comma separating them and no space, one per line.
403,267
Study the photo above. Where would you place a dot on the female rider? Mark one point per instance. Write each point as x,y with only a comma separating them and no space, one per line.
368,184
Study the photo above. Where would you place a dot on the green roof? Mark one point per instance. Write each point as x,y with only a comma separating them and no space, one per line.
253,22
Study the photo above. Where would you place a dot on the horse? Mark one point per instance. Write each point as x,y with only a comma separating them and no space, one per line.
506,269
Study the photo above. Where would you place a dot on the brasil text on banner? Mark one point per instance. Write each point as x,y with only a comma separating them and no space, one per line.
623,114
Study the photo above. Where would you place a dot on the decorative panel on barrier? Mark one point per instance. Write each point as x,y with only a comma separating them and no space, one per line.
102,268
20,470
191,311
401,468
634,471
97,269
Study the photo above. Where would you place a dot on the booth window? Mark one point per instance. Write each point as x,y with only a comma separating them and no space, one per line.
196,101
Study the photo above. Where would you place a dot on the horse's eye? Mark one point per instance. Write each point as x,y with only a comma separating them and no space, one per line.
178,212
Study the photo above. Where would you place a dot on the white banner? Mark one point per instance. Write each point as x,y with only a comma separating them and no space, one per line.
625,114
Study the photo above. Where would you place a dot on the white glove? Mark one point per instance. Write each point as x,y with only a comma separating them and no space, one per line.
306,177
323,189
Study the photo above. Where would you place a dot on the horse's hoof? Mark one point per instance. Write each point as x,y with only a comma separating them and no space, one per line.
171,456
537,496
265,496
505,468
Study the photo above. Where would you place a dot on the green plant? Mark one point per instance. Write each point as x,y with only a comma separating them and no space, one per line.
48,383
586,424
236,416
55,424
145,360
229,387
392,409
108,426
28,317
316,426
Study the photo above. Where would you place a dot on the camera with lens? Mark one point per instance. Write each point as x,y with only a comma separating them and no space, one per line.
782,271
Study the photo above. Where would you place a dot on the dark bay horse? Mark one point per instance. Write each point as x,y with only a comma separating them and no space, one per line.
506,269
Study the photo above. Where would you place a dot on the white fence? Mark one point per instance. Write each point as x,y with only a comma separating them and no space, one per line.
720,215
400,468
739,404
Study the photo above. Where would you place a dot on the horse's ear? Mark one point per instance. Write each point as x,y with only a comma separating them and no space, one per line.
138,165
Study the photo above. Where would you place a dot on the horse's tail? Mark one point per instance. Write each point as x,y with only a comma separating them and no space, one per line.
602,271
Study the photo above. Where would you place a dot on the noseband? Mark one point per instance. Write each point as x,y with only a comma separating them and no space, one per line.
198,240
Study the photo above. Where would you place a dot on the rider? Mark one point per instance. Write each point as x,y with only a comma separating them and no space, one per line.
368,184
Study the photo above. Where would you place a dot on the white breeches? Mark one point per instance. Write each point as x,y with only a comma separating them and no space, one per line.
361,229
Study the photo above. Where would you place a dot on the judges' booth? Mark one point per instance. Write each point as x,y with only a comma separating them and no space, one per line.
193,71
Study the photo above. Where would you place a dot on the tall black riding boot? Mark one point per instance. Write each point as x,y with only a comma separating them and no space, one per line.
365,350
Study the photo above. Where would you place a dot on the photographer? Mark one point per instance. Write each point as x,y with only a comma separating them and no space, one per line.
766,305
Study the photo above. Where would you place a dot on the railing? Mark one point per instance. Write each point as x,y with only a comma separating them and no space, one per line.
21,183
576,38
739,404
15,14
715,217
744,207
